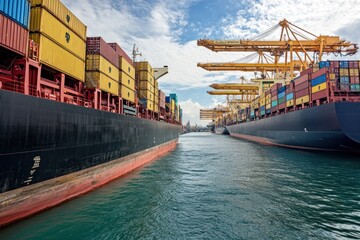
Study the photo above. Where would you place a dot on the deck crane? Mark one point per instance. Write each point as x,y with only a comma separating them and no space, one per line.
293,42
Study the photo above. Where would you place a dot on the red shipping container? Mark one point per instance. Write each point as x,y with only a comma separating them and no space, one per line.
301,79
274,109
13,36
354,79
334,64
267,92
274,97
275,87
121,52
290,87
304,85
162,99
306,72
97,45
353,64
301,93
319,73
319,95
282,106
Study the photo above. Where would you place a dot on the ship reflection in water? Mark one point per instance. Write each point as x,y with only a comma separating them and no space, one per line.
215,187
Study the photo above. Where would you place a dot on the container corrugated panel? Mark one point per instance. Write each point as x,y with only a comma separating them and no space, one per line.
318,80
54,56
301,79
17,10
13,36
146,94
319,87
127,81
344,72
281,100
304,85
344,64
127,93
290,103
274,103
156,108
353,72
332,76
121,53
353,64
281,94
99,63
302,93
334,64
344,79
145,85
319,73
126,67
97,45
103,82
44,22
319,95
355,87
63,14
262,101
304,99
306,72
146,76
354,79
144,66
324,64
289,96
150,105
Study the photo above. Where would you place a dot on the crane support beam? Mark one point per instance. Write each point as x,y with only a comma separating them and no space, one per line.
159,72
247,67
235,86
233,92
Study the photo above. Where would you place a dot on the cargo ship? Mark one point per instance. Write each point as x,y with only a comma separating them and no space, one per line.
75,112
319,110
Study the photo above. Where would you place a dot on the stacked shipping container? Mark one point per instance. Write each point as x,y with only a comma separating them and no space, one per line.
145,78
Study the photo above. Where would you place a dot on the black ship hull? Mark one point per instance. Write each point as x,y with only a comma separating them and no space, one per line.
43,139
333,126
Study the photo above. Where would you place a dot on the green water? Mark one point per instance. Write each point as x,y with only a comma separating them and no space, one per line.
215,187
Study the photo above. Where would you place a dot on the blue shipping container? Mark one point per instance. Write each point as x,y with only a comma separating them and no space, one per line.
262,108
282,89
17,10
262,112
318,80
268,111
289,96
282,94
344,80
167,99
174,96
323,64
344,64
274,103
281,100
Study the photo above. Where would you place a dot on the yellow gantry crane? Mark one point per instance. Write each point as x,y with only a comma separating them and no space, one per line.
293,42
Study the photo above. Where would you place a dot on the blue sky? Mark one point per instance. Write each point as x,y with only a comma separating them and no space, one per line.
165,31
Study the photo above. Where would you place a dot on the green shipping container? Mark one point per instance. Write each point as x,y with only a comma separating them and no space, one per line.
274,103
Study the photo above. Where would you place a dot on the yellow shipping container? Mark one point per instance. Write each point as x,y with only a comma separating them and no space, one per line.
290,103
44,22
63,14
127,68
59,58
145,85
126,80
268,106
102,81
146,76
344,72
127,93
156,108
146,94
354,72
304,99
262,101
97,62
172,106
144,66
319,87
150,105
332,76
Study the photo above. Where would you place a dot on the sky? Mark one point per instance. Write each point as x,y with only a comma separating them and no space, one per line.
166,34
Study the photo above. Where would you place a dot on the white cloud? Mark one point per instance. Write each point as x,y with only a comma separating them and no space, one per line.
191,112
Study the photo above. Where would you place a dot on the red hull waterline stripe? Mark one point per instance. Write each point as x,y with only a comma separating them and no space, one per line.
266,141
24,202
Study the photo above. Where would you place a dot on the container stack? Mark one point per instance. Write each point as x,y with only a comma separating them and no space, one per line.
290,94
156,100
61,37
145,77
268,101
14,27
162,104
262,103
274,96
281,98
102,66
126,75
319,84
302,93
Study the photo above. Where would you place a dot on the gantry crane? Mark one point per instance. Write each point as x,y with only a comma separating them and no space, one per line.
293,41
